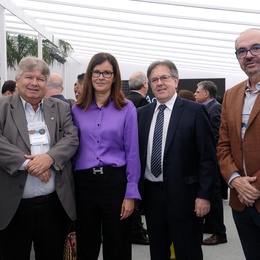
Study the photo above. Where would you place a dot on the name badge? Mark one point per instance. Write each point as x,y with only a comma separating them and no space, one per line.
38,134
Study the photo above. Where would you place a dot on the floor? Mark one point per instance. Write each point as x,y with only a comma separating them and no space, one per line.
231,250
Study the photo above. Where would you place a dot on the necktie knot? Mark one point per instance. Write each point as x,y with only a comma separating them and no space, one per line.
162,107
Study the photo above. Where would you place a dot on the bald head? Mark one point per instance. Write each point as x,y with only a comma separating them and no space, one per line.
247,35
54,85
138,82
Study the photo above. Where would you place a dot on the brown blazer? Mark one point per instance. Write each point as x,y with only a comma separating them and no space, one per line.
14,143
229,149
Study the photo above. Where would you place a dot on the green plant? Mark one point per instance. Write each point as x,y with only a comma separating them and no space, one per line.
19,46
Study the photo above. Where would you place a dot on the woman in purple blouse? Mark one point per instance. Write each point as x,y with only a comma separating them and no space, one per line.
107,165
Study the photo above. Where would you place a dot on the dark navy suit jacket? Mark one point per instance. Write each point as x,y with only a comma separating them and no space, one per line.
137,99
189,160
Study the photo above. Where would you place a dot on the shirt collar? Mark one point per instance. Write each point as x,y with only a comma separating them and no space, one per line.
25,103
248,87
205,103
169,104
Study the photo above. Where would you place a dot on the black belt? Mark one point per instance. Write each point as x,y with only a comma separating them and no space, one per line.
155,183
40,199
104,169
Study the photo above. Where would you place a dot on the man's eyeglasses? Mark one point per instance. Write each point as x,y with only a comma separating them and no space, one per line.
105,74
163,78
241,53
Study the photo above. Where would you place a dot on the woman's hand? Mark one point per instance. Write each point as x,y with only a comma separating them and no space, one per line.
127,208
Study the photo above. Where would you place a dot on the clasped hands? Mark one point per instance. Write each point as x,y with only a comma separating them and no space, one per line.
39,166
247,193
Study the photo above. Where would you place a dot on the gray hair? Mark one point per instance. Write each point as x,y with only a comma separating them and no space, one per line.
55,82
167,63
137,80
209,86
29,64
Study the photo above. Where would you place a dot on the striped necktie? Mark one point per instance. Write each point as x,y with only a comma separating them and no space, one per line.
156,157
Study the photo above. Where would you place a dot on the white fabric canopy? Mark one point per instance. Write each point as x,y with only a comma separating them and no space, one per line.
194,34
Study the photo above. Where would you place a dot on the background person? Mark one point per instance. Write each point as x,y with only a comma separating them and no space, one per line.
107,166
9,88
214,221
78,86
55,87
138,84
239,142
187,94
76,93
36,182
176,184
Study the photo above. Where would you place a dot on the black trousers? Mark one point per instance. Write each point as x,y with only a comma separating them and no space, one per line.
99,198
43,222
185,233
248,227
137,224
215,218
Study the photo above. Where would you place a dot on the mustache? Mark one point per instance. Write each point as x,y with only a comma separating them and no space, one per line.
255,59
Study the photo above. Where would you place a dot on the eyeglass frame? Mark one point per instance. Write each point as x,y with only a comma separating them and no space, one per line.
248,50
102,73
156,79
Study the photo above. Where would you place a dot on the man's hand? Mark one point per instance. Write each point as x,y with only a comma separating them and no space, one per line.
39,164
202,207
247,194
45,176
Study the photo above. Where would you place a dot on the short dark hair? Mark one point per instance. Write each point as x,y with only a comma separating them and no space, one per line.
81,78
209,86
9,85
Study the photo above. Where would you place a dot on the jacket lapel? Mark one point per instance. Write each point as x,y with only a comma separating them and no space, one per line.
255,111
50,117
147,125
174,120
238,107
19,118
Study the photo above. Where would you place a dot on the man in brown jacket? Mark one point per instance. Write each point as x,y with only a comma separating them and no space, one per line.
239,143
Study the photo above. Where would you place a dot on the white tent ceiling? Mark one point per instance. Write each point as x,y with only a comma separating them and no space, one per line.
195,34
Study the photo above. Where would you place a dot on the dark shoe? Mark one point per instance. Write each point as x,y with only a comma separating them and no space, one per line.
140,239
214,240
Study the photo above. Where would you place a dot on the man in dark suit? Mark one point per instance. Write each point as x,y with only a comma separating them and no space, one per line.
37,140
214,221
176,191
138,84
